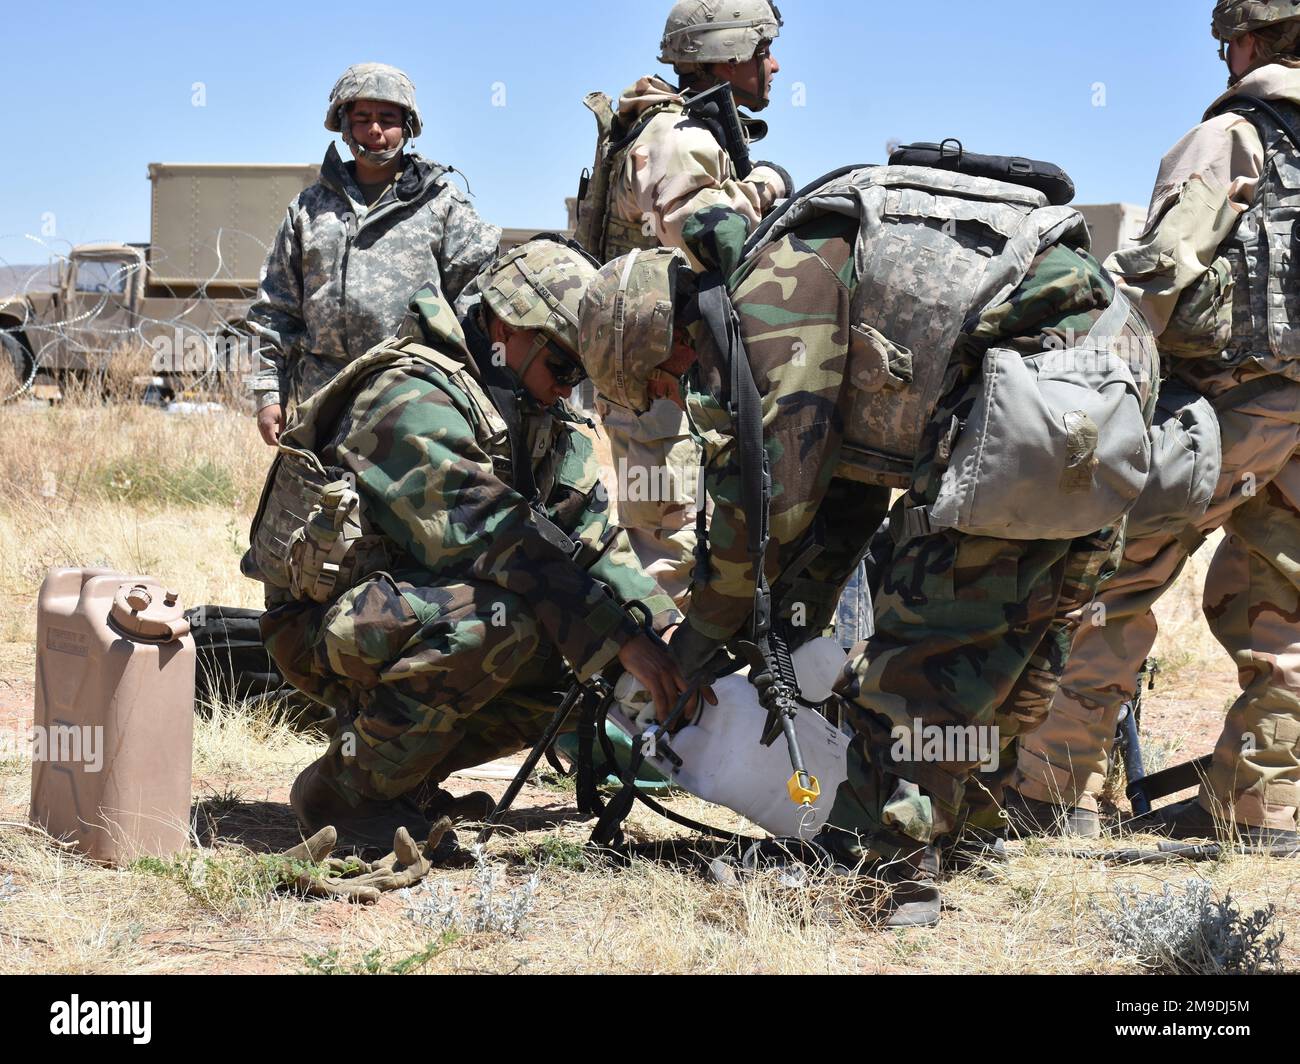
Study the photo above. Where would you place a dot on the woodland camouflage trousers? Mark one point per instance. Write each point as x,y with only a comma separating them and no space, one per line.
424,680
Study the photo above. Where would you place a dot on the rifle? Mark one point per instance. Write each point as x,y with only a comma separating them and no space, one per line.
1142,789
716,108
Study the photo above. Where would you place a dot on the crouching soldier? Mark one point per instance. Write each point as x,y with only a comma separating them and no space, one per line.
452,566
900,328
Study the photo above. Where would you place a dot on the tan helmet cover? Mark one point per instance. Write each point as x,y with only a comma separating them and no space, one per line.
627,324
1232,18
718,31
374,81
539,285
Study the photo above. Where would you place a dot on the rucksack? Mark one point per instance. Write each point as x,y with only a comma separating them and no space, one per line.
1057,446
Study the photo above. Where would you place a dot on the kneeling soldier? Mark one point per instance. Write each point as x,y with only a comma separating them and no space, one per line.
452,566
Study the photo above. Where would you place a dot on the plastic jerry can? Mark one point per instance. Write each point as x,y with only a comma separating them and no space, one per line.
114,726
723,761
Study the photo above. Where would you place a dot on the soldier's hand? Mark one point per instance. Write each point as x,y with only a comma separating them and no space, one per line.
650,662
270,423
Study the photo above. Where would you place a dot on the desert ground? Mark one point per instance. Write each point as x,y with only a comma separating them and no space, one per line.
138,490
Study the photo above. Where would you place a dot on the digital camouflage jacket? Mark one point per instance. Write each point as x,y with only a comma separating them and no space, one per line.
340,275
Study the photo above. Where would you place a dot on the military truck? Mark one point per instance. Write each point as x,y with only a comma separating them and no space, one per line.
174,307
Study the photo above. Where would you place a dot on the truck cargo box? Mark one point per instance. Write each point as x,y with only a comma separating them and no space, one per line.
212,223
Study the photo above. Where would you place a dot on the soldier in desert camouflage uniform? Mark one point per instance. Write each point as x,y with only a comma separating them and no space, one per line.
970,629
355,245
1220,283
664,165
503,577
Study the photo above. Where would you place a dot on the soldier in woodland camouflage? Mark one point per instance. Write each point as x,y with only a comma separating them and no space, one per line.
970,629
355,245
504,577
666,165
1220,283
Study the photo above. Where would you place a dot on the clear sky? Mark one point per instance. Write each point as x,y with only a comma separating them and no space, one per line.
95,92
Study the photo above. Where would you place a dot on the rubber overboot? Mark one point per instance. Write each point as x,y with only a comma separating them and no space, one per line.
366,827
1190,820
1028,817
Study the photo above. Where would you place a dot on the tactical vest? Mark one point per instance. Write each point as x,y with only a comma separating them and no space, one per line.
1262,255
599,229
310,535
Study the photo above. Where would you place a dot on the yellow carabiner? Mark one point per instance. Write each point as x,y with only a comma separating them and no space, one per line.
801,795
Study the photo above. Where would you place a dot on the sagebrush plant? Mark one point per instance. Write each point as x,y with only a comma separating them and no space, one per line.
490,907
1185,931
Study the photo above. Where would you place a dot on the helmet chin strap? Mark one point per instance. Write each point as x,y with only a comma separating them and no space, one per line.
539,345
369,155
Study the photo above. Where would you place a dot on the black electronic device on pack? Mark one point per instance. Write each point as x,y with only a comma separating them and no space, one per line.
1050,180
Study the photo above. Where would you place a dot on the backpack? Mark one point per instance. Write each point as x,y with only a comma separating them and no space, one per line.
1057,445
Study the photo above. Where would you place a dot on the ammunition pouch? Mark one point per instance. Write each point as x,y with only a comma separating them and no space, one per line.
331,552
308,536
622,238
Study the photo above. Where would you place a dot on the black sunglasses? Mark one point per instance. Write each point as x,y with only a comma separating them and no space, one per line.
567,370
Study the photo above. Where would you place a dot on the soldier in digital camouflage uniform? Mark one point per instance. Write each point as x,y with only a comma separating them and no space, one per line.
503,577
970,630
1220,284
355,246
665,165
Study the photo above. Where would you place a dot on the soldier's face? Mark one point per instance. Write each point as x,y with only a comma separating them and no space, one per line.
537,379
1242,54
376,125
752,80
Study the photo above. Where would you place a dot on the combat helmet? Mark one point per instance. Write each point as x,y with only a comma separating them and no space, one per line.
627,323
539,286
1233,18
718,31
373,81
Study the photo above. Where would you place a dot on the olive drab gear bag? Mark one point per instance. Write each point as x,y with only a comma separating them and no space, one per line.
1186,460
1056,446
954,246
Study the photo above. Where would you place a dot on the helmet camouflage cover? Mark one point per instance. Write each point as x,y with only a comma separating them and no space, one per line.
374,81
539,285
1232,18
627,323
718,31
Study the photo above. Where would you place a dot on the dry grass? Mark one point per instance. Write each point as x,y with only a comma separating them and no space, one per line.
218,908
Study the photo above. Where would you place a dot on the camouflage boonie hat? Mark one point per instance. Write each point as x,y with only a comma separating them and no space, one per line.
539,285
627,323
1232,18
374,81
718,31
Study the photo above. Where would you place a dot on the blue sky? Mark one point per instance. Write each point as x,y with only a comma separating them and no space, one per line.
95,93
